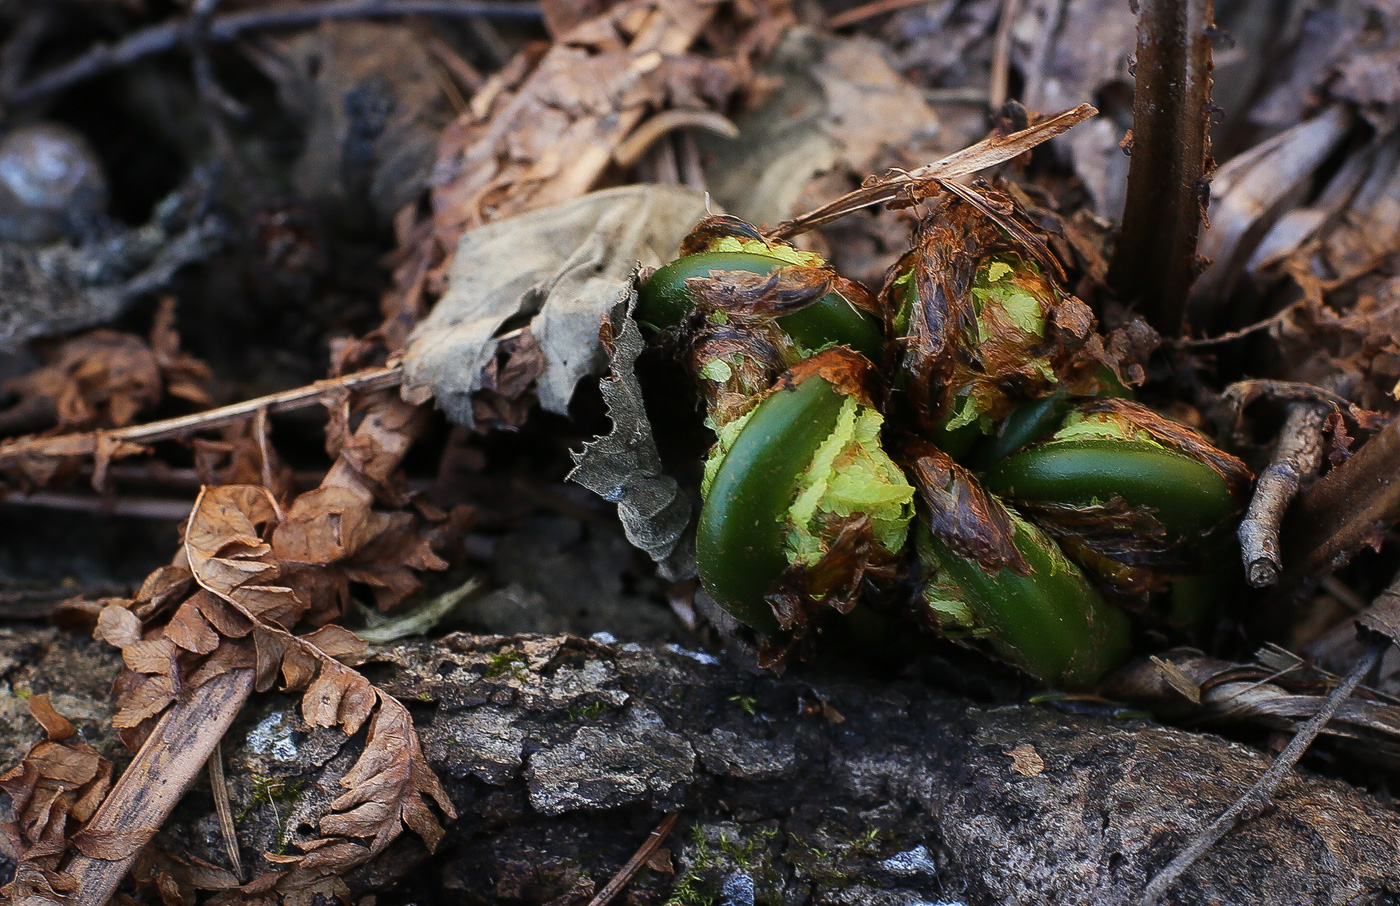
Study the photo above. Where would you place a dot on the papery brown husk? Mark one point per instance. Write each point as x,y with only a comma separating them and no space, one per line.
943,360
958,510
807,593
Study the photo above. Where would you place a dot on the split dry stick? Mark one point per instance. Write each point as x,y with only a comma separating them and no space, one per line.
1258,798
151,786
990,151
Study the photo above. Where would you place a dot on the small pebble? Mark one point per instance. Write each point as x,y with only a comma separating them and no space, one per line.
51,184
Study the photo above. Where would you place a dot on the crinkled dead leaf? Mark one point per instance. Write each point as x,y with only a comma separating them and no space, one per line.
561,269
104,379
959,511
56,788
230,601
624,466
386,786
987,325
542,130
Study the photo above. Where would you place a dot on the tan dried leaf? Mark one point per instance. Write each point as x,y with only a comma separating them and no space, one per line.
56,787
118,626
188,629
391,772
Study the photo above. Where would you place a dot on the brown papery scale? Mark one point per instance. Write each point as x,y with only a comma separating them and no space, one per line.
961,347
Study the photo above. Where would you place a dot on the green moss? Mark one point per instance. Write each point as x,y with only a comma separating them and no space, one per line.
504,662
590,711
711,861
272,792
746,702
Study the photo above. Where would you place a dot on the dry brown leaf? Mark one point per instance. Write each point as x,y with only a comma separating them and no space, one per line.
52,791
104,379
387,785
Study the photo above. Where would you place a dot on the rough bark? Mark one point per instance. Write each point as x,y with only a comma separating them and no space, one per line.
561,754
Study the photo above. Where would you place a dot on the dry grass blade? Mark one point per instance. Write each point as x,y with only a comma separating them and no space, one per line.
990,151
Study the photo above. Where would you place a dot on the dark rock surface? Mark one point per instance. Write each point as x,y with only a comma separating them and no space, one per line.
561,755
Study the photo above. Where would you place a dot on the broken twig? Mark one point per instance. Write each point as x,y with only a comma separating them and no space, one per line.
639,858
1297,456
990,151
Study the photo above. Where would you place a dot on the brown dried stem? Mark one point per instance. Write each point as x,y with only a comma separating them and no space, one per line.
990,151
634,864
1155,263
1001,54
87,443
1354,505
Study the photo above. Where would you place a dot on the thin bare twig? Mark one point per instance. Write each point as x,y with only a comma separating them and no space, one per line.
218,105
1242,393
866,10
990,151
168,36
639,858
1259,797
86,443
1297,456
137,507
692,172
1277,318
1001,54
29,32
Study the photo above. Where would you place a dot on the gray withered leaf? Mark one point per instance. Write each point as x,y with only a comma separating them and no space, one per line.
624,466
558,270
